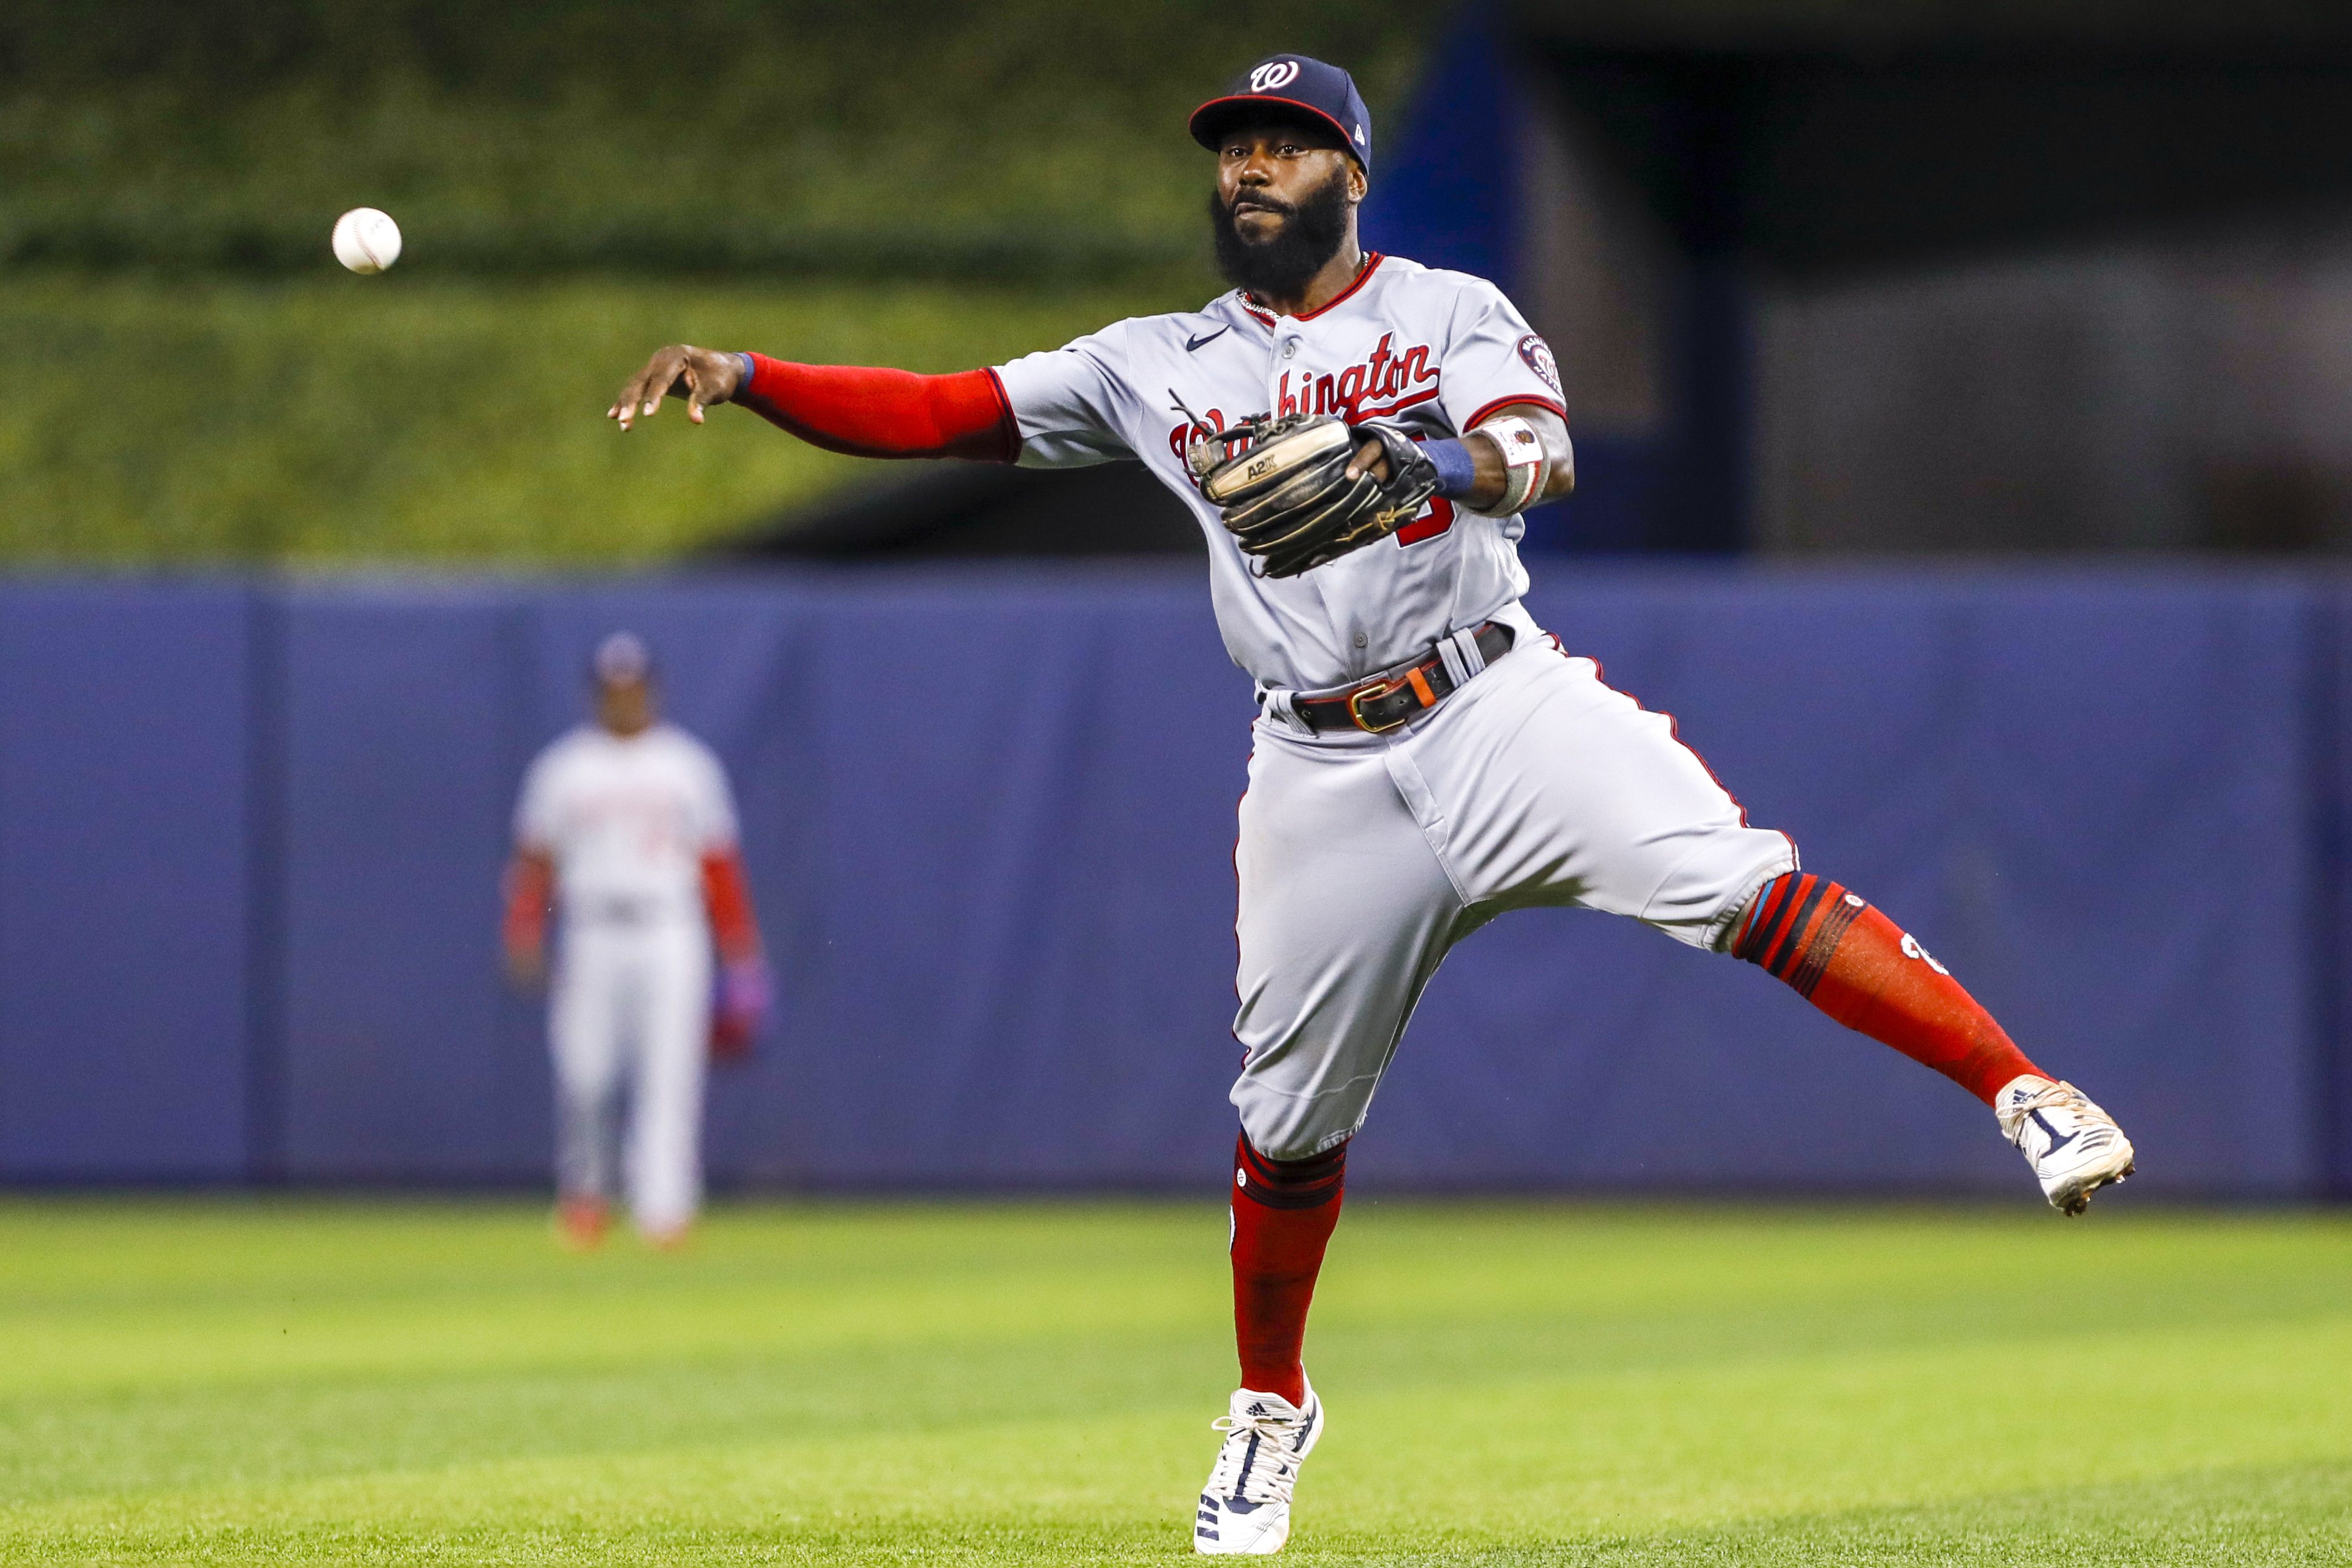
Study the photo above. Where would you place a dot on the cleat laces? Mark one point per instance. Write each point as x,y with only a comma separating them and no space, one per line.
1258,1464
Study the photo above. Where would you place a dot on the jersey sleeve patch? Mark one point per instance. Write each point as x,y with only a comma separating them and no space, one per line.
1538,356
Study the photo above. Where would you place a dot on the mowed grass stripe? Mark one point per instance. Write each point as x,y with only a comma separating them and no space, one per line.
1562,1460
139,1301
302,1292
1583,1454
1873,1384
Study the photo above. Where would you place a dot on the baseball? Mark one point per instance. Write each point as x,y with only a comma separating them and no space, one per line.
366,240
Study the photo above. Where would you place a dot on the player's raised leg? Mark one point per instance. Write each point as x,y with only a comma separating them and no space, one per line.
1551,787
1857,966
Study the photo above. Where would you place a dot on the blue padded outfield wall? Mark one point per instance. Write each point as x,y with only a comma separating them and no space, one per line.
250,836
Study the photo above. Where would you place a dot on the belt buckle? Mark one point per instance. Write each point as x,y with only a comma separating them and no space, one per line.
1364,694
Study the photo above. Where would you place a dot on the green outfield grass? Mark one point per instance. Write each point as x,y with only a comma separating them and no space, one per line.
413,1382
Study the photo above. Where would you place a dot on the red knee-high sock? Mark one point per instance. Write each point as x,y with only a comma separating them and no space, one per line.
1283,1214
1859,966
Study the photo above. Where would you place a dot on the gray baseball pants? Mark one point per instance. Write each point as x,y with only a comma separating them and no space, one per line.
1362,859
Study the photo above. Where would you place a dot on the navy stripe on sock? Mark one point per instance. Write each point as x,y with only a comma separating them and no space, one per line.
1825,944
1309,1182
1771,921
1782,955
1781,939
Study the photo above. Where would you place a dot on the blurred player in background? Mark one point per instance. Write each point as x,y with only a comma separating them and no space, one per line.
628,824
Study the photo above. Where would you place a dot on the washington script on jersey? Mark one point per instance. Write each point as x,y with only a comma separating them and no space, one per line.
1354,394
1434,351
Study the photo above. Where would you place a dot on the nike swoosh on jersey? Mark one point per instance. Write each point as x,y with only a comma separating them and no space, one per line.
1194,344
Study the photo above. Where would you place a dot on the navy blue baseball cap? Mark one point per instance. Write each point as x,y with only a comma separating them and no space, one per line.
1294,81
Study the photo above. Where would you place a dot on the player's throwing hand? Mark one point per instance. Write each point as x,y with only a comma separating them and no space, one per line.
701,376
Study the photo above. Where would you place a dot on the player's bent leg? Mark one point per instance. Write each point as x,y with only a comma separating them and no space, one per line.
1555,789
1857,966
1552,788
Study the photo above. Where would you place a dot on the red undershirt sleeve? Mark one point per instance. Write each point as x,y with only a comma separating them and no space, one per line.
530,883
871,413
727,897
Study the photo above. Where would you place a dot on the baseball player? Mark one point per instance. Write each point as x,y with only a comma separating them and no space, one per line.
628,824
1358,435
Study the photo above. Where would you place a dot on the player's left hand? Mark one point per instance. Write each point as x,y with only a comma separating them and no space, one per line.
700,376
525,966
1371,458
740,1009
1301,491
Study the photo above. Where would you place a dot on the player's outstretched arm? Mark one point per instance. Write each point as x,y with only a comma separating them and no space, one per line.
864,412
700,376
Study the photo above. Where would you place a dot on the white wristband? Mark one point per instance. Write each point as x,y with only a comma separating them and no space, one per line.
1523,464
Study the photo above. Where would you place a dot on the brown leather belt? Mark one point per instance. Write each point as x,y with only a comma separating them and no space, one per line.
1394,695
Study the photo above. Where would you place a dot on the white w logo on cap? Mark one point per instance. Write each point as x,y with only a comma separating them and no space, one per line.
1274,73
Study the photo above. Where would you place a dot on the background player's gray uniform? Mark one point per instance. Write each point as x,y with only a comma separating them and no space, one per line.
1363,858
627,819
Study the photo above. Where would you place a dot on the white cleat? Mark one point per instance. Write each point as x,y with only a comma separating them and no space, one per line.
1245,1506
2074,1147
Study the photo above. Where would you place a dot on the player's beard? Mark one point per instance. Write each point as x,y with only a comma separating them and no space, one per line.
1280,266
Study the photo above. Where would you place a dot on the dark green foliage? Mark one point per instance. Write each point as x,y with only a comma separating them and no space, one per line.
1013,139
340,419
963,180
170,173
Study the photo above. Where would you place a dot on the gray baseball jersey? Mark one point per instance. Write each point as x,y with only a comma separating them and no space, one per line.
1363,857
1436,351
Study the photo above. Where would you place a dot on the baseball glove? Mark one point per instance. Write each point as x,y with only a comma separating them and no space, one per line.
1282,486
